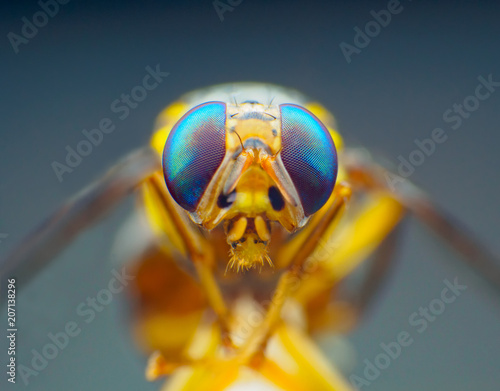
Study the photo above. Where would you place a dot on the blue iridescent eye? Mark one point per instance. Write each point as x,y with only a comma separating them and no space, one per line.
308,154
193,152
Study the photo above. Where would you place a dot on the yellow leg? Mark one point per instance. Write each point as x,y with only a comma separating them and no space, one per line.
190,242
379,269
344,249
159,366
258,338
291,279
474,253
330,250
214,297
327,312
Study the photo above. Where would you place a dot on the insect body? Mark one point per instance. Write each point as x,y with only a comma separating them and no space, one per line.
256,215
250,171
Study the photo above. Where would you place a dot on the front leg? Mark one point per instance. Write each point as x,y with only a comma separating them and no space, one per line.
169,220
290,280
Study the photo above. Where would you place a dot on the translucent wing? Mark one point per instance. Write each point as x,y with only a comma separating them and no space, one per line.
80,212
448,228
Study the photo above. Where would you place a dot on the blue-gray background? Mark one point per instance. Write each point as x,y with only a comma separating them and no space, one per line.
394,91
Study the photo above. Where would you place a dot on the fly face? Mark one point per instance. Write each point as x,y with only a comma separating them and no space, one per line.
247,165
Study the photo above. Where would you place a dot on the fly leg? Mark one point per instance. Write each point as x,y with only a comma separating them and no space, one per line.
295,273
377,274
474,253
79,213
367,228
170,220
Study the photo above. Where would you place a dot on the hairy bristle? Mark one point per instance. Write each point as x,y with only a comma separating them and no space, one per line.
248,254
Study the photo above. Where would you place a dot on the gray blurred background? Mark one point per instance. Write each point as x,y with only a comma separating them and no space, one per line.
396,90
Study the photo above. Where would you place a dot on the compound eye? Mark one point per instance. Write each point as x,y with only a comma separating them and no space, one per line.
193,152
309,156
